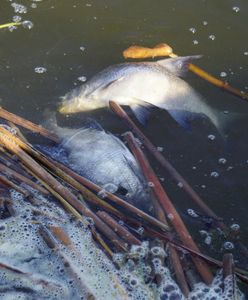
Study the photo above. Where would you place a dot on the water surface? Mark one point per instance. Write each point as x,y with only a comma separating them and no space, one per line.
75,38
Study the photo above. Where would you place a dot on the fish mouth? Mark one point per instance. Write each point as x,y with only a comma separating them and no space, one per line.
67,107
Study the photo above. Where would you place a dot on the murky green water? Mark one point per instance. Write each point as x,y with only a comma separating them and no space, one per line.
74,38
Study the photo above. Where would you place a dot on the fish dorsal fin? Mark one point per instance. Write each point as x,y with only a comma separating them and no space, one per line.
178,65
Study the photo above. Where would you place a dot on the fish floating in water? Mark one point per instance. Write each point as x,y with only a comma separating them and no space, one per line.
104,159
142,85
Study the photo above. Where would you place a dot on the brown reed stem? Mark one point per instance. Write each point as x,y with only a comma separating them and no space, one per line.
55,166
4,114
120,230
168,207
9,172
8,141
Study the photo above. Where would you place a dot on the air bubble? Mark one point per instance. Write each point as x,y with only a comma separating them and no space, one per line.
192,213
211,137
214,174
212,37
27,24
222,161
236,9
40,70
82,78
193,30
235,227
19,8
180,185
223,74
228,246
195,42
17,19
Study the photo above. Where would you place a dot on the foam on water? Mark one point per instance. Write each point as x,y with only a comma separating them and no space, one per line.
47,273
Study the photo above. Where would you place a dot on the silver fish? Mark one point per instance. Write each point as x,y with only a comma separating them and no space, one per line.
105,160
141,85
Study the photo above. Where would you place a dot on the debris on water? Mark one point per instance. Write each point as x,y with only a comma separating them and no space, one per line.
223,74
222,161
27,24
212,37
40,70
211,137
195,42
19,8
236,9
214,174
82,78
205,23
228,246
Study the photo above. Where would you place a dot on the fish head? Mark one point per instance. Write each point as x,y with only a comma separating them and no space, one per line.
77,102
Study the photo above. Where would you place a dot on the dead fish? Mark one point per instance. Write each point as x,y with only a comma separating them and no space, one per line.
142,85
105,160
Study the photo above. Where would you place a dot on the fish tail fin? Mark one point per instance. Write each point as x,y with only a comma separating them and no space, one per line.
178,65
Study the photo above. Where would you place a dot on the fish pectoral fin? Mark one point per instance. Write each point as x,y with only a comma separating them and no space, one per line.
178,65
142,110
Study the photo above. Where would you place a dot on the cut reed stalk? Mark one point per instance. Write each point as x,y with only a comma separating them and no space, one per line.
168,207
66,173
241,274
162,160
171,170
9,172
5,181
228,267
8,141
4,114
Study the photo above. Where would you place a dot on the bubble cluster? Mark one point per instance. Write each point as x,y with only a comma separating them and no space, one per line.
19,8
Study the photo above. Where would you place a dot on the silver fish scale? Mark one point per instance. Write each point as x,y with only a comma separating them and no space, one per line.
103,158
